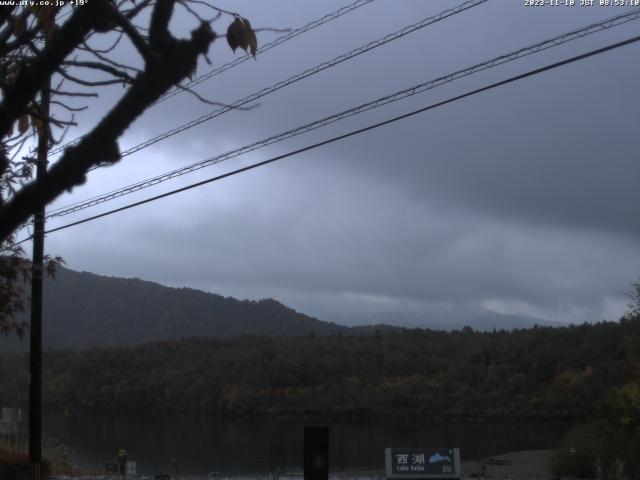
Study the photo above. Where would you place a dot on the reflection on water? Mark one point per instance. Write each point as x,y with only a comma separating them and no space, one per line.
194,445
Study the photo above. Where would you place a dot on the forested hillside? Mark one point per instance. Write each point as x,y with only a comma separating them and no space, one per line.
540,372
82,309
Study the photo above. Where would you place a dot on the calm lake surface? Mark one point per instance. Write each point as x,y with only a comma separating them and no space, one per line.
197,444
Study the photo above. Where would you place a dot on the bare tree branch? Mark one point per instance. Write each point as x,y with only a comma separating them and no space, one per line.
73,94
124,76
213,102
36,52
129,14
87,83
100,145
159,26
135,37
109,49
33,77
68,107
109,61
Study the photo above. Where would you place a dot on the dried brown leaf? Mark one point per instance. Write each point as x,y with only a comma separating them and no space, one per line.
236,34
10,79
240,34
193,71
251,37
49,29
23,123
46,15
20,26
37,122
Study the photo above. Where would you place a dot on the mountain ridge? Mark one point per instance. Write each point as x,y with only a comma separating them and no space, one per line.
84,310
124,311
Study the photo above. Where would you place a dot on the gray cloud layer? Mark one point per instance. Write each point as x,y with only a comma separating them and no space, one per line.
516,202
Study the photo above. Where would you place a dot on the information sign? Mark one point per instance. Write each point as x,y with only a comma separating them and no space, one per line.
422,463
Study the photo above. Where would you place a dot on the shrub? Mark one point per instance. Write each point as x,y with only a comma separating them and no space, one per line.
597,450
15,466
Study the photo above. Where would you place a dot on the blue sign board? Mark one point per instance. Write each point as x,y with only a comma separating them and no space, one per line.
422,463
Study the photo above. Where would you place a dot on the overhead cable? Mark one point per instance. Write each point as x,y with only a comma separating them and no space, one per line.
238,60
402,94
513,79
278,41
305,74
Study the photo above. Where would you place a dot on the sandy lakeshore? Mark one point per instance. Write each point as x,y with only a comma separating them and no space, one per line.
524,465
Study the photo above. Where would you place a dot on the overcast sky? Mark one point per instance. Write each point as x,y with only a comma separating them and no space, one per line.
519,202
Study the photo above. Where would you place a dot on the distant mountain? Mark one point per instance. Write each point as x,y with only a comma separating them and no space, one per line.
82,310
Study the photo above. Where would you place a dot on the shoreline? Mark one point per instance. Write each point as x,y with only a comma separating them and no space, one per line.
526,464
522,465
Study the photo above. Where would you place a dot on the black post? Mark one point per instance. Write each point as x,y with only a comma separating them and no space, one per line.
316,453
35,351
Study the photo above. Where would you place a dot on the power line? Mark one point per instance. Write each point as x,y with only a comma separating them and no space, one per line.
237,61
307,73
278,41
513,79
514,55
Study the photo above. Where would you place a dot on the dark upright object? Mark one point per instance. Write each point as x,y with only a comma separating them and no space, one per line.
35,350
316,453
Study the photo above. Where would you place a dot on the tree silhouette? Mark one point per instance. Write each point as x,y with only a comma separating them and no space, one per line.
53,56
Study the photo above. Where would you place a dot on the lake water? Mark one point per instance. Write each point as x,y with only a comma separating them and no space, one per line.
181,444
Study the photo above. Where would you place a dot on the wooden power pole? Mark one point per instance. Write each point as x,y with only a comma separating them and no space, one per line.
35,351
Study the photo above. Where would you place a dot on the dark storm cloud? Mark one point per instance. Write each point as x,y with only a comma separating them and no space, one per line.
515,202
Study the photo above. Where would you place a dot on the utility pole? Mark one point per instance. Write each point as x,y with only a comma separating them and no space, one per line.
37,268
